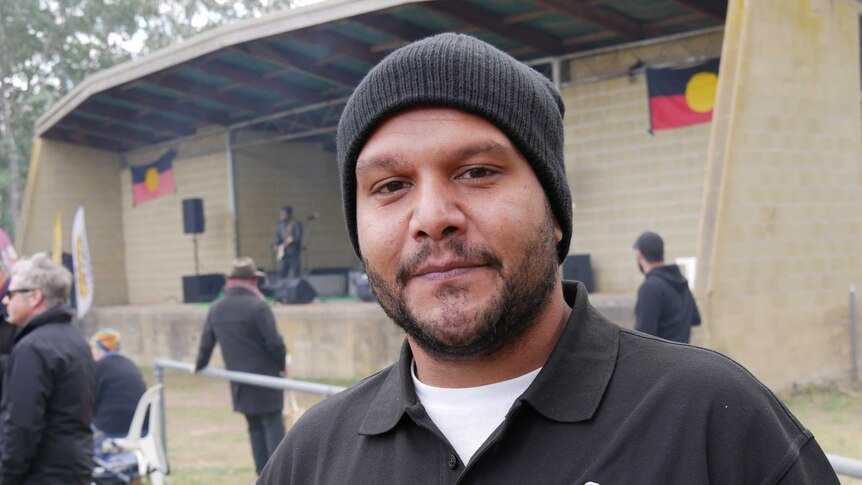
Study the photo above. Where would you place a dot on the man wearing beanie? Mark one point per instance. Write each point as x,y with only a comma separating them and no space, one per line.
456,200
665,306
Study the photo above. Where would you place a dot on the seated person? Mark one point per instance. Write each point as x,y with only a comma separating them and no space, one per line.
119,385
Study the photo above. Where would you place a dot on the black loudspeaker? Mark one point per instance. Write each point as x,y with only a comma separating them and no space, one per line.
363,290
193,216
294,290
205,287
578,267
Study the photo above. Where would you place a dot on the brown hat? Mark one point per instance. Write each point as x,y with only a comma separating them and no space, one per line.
244,268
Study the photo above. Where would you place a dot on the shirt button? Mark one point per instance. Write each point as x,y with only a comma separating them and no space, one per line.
453,462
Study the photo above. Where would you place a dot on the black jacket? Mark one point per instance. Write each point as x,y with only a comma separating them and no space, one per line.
610,406
47,405
244,326
665,306
119,387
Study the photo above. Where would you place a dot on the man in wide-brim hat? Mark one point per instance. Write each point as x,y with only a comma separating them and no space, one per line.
244,325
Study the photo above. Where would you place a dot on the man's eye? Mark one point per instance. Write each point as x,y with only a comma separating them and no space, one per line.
477,172
390,187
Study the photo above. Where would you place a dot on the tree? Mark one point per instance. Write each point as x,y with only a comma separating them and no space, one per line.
49,46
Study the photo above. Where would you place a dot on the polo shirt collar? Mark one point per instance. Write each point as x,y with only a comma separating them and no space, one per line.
568,389
393,398
574,379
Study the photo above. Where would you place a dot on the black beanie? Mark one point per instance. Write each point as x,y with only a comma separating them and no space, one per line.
461,72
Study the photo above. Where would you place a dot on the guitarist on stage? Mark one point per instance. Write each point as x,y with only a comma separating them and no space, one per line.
287,243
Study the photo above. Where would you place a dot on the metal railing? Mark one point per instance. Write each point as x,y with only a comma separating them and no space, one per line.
842,465
243,377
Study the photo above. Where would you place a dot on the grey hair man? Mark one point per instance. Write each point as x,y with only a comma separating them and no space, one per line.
49,382
456,199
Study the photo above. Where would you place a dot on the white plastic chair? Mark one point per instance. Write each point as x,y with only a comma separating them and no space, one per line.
152,459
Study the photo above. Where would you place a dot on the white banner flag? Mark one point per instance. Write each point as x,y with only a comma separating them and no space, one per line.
82,264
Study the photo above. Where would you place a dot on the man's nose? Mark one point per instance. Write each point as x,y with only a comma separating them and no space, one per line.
437,212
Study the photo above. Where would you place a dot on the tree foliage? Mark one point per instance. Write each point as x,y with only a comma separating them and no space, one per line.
49,46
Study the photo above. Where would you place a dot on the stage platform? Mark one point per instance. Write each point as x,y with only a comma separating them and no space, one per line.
327,340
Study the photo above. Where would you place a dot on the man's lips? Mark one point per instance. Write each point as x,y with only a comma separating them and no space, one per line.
444,271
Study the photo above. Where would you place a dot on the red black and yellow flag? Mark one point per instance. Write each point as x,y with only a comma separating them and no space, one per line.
153,180
681,96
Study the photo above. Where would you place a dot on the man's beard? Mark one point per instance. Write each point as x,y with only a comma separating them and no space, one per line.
509,314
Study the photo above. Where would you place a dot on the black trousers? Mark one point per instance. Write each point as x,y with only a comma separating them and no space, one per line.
266,432
290,267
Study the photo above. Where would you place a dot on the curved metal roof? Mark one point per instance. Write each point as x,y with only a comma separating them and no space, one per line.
288,74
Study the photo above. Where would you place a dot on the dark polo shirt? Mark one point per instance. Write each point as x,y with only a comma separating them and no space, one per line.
610,406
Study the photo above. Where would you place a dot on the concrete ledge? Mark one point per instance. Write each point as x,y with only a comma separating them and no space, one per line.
333,340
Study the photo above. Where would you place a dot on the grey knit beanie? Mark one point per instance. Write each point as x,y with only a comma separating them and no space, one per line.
461,72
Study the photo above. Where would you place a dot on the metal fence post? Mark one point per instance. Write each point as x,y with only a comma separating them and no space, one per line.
854,334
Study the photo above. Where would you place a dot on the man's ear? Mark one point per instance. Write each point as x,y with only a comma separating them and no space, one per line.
38,297
558,231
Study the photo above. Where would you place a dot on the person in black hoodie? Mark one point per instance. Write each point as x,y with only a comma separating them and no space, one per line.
49,384
665,306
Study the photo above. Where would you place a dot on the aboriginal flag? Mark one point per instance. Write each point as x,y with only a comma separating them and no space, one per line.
681,96
153,180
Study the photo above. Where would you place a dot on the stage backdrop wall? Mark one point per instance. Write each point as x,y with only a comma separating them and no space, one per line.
625,180
301,175
158,252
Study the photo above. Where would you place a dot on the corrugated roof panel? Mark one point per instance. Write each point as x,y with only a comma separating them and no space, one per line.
506,7
202,77
363,34
561,26
205,103
153,89
120,103
175,117
303,48
88,116
255,93
426,18
352,64
248,63
645,10
305,81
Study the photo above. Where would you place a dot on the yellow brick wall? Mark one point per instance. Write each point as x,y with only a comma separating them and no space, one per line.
623,179
158,252
67,176
303,176
785,190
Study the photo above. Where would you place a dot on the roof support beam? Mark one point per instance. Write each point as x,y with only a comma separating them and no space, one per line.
604,19
490,21
716,9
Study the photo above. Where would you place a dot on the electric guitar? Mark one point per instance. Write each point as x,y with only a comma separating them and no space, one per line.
279,250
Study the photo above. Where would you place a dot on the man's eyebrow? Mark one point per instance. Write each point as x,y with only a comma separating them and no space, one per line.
386,162
479,149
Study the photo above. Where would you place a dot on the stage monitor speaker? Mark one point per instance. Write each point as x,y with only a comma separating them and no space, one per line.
193,216
363,291
578,267
201,288
294,290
